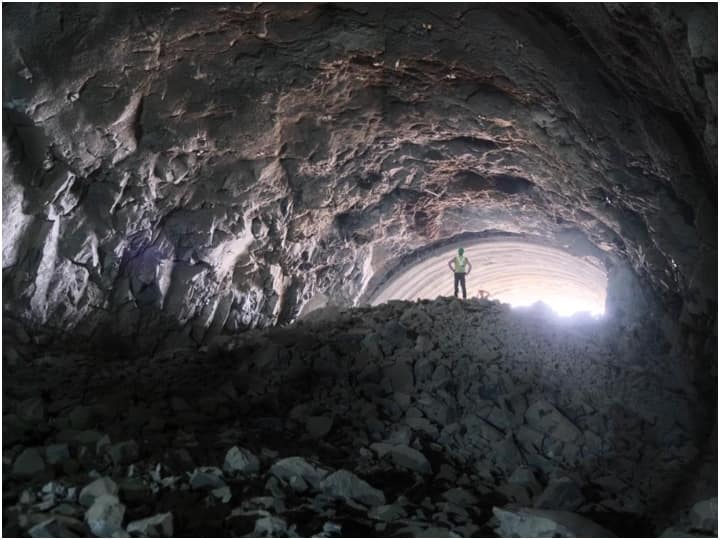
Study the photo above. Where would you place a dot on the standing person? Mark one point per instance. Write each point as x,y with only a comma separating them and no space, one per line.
461,269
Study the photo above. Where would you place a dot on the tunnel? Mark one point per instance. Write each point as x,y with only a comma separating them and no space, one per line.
229,240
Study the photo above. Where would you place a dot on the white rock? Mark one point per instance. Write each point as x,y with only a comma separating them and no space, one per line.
101,486
105,516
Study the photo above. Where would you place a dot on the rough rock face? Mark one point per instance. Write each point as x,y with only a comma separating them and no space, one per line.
172,172
550,427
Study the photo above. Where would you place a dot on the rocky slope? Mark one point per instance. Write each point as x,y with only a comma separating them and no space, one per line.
435,418
171,172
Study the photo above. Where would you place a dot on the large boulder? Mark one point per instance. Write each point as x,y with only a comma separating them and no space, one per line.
404,456
345,485
28,464
561,494
704,516
287,468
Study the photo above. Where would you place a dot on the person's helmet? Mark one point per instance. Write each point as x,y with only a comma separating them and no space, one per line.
461,251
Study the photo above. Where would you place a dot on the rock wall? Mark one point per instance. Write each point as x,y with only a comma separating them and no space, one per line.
175,171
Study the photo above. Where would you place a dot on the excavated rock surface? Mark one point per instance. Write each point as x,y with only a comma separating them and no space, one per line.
434,418
174,171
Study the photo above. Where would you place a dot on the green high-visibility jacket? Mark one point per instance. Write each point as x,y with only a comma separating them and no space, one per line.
460,264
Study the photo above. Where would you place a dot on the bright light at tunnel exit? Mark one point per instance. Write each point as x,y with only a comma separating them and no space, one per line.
563,306
512,272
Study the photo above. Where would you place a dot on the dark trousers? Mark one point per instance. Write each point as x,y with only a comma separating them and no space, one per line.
460,278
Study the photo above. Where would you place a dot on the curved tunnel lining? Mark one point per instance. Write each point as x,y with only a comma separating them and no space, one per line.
513,272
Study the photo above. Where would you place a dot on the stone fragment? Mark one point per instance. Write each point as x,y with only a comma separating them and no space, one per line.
135,491
404,456
207,478
545,418
387,512
96,488
123,452
270,526
105,516
330,530
525,477
561,494
51,528
345,485
518,522
240,460
28,464
318,426
157,526
223,494
704,516
460,497
57,453
31,410
286,468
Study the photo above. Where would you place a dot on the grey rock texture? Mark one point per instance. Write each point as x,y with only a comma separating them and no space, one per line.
172,172
159,526
704,516
345,485
534,411
240,460
533,523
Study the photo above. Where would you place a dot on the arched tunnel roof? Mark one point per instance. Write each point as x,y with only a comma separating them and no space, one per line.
215,167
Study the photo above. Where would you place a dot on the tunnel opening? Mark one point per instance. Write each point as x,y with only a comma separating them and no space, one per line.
515,272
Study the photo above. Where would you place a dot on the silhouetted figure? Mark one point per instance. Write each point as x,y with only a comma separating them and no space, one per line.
483,294
461,266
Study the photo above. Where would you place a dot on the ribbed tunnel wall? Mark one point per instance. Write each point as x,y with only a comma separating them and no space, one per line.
513,272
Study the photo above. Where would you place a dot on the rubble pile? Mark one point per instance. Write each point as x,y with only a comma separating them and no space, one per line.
435,418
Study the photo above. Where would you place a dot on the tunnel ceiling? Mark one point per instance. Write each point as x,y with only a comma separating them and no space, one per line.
217,165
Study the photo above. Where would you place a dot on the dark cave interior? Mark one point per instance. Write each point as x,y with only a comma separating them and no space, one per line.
226,303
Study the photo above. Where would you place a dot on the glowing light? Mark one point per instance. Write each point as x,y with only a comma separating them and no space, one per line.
511,271
564,306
